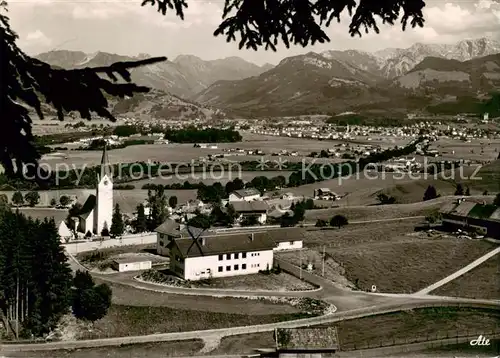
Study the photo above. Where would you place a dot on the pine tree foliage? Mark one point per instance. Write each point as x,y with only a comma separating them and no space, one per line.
26,82
300,22
34,274
117,225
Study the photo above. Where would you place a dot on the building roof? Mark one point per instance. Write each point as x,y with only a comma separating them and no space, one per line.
461,209
495,215
106,168
246,192
87,208
130,260
238,242
473,210
216,245
307,338
169,227
250,206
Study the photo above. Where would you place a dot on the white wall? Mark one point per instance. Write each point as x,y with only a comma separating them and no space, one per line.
76,247
104,206
233,197
254,261
134,266
289,245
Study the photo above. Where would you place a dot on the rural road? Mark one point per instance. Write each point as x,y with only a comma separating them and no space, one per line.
208,335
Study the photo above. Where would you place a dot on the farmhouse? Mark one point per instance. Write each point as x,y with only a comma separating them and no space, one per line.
325,194
471,216
247,209
247,194
97,211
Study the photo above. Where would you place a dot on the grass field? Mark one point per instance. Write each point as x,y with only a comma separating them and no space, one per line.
129,296
245,343
389,255
377,212
272,282
400,327
481,282
416,324
406,266
151,350
134,321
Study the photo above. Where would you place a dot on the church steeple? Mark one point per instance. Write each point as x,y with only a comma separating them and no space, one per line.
105,166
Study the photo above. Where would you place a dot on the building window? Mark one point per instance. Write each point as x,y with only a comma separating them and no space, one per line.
220,268
243,266
236,256
161,243
228,268
236,268
228,256
244,255
258,265
291,242
221,257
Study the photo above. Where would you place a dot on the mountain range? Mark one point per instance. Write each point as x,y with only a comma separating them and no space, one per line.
415,78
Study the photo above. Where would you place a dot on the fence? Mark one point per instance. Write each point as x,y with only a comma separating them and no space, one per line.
438,339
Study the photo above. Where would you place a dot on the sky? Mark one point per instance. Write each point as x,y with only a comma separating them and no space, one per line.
124,27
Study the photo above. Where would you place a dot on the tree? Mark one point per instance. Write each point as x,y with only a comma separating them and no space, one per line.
433,217
339,221
32,198
17,198
64,200
497,200
250,220
467,191
459,190
385,199
200,221
172,202
53,202
28,81
90,302
35,277
117,226
140,223
430,193
4,202
105,230
485,192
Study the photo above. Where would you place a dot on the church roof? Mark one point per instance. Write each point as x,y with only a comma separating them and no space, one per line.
88,207
106,168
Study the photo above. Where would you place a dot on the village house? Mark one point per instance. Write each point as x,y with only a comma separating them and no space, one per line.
481,218
247,194
247,209
325,194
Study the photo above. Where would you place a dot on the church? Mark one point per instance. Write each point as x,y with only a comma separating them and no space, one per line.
97,212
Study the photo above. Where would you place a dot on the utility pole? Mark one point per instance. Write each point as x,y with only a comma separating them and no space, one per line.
17,307
323,270
300,267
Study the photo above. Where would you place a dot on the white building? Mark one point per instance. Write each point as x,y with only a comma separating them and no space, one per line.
221,256
97,212
225,255
131,264
248,194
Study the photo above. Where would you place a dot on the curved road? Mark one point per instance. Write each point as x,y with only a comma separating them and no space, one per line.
208,335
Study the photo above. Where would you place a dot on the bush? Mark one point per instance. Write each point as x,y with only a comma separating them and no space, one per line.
339,221
321,223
